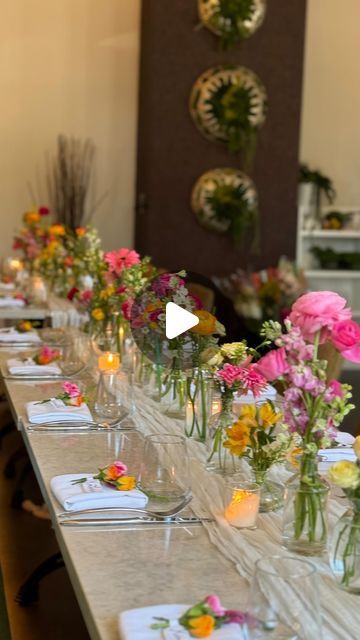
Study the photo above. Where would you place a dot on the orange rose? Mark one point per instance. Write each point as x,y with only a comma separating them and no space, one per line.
207,323
57,230
112,473
76,401
80,231
31,217
201,627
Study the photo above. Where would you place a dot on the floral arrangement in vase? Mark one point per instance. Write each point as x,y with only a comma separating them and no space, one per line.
33,236
313,407
345,543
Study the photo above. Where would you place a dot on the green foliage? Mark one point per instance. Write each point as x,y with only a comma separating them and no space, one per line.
235,12
322,183
229,204
330,259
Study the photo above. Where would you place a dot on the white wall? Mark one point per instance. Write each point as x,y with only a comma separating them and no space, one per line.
70,67
330,137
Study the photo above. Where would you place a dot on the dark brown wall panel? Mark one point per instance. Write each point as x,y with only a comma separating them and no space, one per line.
172,154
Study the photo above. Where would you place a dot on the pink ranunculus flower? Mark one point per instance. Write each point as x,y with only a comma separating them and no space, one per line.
71,388
345,336
319,311
215,605
121,259
273,365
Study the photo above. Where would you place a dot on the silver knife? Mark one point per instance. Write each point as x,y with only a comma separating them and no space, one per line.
73,522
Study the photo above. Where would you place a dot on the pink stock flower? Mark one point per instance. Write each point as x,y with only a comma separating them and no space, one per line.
333,390
273,365
126,307
215,605
345,336
121,259
71,388
319,311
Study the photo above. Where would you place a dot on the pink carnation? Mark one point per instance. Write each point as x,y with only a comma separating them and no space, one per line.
71,388
345,336
121,259
318,311
273,365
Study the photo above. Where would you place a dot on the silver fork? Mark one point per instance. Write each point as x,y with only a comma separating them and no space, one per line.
152,514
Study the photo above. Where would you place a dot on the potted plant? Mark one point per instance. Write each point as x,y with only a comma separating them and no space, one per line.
312,185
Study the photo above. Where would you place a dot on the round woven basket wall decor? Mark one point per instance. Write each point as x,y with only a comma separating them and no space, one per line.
224,200
228,104
232,20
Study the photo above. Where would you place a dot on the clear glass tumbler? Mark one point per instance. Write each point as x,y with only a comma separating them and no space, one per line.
284,600
164,470
111,401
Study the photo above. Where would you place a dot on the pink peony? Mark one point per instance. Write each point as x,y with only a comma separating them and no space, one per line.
319,311
121,259
215,605
71,388
273,365
345,336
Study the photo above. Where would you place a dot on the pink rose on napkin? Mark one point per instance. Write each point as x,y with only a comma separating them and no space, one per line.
345,336
214,603
71,388
273,365
319,311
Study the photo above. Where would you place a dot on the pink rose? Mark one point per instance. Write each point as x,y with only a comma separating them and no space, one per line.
71,388
273,365
120,467
318,311
215,605
345,336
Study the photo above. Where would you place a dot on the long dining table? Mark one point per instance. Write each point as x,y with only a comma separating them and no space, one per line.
117,568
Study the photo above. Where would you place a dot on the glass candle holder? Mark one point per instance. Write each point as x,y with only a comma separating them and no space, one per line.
242,503
109,361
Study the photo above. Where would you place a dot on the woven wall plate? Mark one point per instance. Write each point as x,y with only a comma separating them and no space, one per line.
228,104
226,24
207,186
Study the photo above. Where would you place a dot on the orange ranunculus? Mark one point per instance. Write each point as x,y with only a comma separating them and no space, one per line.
57,230
126,483
201,627
80,231
31,217
238,437
207,323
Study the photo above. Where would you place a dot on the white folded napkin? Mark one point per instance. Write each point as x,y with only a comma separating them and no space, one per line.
337,453
345,438
8,301
11,335
29,367
56,410
7,286
134,624
93,494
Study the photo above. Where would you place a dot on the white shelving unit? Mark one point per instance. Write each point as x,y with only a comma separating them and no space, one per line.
345,282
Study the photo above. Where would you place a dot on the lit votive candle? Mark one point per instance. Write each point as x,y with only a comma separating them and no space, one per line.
109,361
215,407
243,506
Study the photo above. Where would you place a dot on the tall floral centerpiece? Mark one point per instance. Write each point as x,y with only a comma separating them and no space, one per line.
345,541
33,236
313,407
235,374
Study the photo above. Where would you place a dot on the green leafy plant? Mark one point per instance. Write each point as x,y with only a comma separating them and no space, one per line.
330,259
229,204
229,17
322,184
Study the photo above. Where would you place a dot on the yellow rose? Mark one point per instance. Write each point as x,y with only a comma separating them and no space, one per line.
202,626
31,217
98,314
206,325
356,446
345,474
57,230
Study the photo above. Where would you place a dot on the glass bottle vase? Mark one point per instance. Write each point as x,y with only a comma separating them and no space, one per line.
344,551
305,519
220,459
199,386
173,394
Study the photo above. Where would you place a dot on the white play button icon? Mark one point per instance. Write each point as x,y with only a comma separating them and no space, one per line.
178,320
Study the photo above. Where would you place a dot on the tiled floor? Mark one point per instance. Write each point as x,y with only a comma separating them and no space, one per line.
26,541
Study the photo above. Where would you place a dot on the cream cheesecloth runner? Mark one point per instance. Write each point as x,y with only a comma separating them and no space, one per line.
340,610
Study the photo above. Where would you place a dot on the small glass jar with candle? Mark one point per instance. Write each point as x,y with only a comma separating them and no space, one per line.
242,502
109,361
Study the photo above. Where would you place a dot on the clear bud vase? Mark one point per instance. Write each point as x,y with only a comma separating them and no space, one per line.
271,493
173,395
344,550
199,387
220,459
305,520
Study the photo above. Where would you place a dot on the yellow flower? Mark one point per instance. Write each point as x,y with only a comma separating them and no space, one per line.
57,230
356,446
234,350
248,411
207,323
268,415
238,437
294,456
202,626
98,314
126,483
345,474
31,217
211,356
106,293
